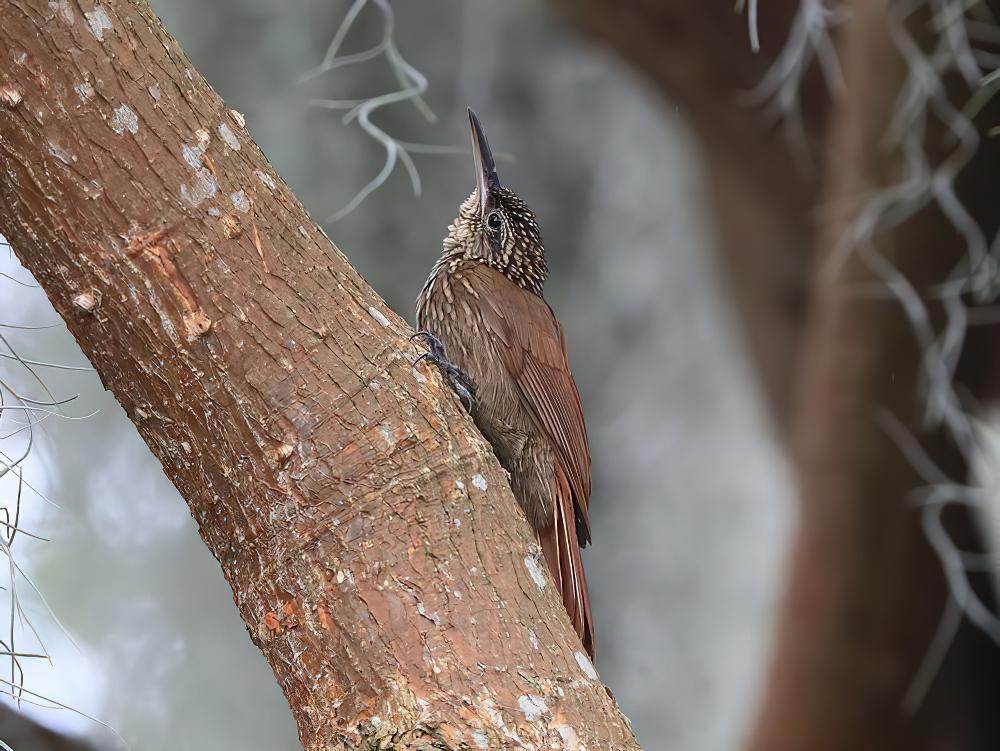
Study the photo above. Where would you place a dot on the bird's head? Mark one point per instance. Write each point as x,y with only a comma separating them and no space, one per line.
496,227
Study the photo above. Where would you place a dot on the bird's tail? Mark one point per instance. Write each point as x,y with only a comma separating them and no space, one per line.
561,548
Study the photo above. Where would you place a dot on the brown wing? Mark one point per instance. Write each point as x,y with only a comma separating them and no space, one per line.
561,546
533,348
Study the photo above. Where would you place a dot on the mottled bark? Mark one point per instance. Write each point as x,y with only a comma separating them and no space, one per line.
865,589
371,540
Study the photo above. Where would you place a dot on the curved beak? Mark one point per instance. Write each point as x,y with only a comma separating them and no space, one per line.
486,169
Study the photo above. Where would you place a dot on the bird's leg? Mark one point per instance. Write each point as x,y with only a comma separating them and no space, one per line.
457,378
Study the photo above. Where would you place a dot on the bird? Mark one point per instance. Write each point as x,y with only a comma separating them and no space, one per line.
500,346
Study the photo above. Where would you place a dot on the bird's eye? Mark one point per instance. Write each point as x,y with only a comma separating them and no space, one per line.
493,221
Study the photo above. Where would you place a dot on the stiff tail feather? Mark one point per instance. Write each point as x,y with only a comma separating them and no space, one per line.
561,548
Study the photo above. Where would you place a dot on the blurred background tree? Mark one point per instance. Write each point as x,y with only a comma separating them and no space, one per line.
690,212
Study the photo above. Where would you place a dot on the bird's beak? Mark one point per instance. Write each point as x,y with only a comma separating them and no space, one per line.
486,169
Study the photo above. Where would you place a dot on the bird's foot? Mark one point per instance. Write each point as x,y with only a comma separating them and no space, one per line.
457,378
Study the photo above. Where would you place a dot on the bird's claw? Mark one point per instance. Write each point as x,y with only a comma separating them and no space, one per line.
435,345
457,378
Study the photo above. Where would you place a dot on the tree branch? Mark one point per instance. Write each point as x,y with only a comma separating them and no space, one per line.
373,546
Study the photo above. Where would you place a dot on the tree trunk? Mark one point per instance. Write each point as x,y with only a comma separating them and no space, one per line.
865,591
20,732
698,54
371,540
